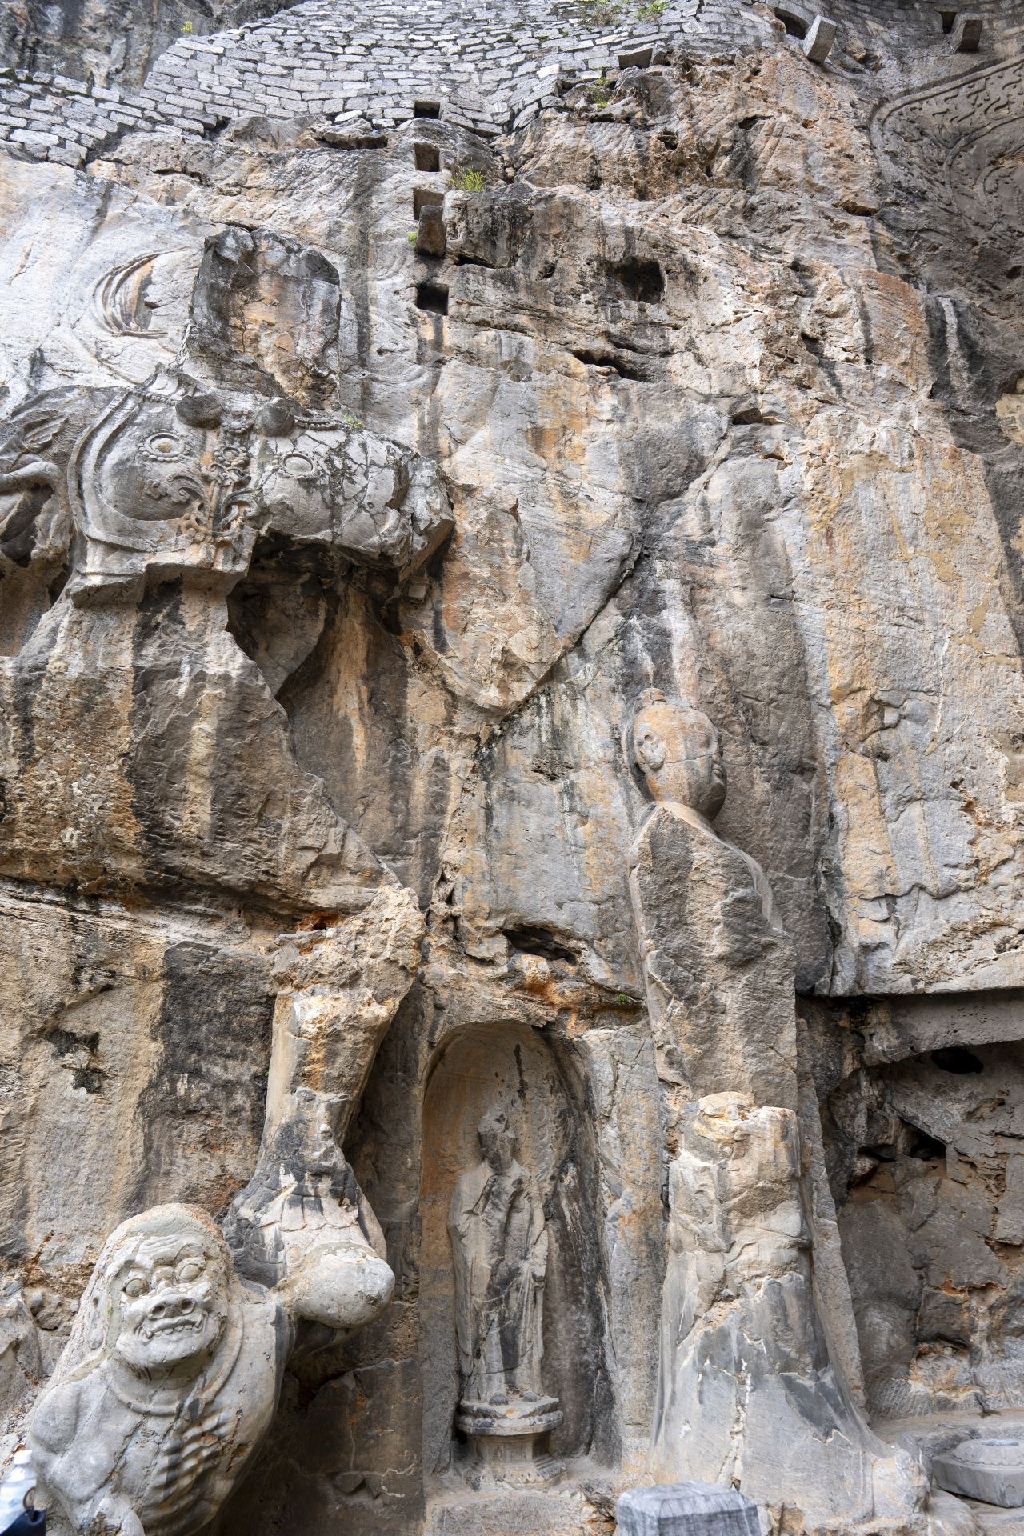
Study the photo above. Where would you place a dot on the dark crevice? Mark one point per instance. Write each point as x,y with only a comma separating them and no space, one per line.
927,1149
639,280
426,157
432,297
752,415
426,197
64,1041
795,25
609,360
957,1059
539,941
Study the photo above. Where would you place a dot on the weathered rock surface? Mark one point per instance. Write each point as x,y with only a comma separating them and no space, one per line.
389,402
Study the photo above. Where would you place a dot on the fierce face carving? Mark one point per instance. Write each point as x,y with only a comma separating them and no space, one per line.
158,466
169,1296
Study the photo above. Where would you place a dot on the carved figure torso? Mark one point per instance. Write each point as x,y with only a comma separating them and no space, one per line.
172,1462
173,1369
499,1245
717,965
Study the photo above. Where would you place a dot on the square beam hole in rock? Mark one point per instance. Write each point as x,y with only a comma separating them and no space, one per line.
426,109
795,25
425,197
426,157
432,297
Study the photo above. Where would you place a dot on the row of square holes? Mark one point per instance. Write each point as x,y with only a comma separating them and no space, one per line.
431,297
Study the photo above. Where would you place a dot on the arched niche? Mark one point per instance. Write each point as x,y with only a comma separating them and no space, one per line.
477,1069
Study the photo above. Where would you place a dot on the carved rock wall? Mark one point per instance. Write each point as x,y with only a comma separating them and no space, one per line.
386,404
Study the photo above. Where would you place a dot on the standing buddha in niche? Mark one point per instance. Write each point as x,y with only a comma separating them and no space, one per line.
500,1252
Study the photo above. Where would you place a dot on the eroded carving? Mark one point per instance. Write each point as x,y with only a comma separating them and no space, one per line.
960,141
173,1369
500,1251
746,1382
179,481
119,298
711,1028
172,480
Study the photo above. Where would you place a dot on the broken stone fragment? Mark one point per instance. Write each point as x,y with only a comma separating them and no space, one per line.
686,1509
821,36
991,1470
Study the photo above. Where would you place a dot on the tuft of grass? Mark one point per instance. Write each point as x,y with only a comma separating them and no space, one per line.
466,179
601,13
610,13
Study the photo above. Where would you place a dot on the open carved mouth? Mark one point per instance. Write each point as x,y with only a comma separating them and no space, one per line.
172,1325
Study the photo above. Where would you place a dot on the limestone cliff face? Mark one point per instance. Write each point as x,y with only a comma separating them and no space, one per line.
386,405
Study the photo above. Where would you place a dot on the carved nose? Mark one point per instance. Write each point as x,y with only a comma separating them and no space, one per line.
172,1306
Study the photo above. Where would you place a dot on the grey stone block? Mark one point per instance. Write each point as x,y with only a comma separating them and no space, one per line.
991,1470
821,36
686,1509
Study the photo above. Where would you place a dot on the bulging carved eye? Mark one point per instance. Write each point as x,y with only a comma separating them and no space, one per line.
135,1287
298,464
188,1269
163,445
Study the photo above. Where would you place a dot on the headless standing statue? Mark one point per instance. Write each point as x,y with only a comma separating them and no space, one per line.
747,1391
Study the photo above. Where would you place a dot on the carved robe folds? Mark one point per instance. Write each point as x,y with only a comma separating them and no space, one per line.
717,967
747,1391
500,1247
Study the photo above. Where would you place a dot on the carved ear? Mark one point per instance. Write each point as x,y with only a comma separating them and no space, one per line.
24,494
649,749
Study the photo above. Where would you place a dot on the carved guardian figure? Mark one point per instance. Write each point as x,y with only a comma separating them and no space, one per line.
172,1372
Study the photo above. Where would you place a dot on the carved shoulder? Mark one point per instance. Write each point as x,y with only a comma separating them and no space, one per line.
55,1421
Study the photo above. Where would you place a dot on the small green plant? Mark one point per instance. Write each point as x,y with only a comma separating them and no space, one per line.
413,236
352,422
186,26
599,95
601,13
610,13
466,179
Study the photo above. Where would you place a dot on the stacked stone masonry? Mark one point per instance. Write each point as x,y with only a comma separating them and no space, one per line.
489,74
